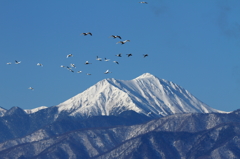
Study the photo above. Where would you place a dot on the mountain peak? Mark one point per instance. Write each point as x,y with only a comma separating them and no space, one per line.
15,110
145,94
146,75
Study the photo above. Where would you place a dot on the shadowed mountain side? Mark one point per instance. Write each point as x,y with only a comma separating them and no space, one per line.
219,142
13,127
85,143
17,123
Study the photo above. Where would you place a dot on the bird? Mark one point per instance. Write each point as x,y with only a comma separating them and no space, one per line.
98,58
31,88
73,65
39,64
71,70
69,55
119,55
79,71
116,62
123,42
89,74
106,72
62,66
86,33
105,59
87,63
116,36
129,55
145,55
143,2
17,62
9,63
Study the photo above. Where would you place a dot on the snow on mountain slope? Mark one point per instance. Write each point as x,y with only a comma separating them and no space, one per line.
30,111
145,94
2,111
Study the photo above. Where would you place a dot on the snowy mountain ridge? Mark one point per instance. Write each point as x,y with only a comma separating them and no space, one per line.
145,94
30,111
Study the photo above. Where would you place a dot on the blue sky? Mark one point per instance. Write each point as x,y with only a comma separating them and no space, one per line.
195,44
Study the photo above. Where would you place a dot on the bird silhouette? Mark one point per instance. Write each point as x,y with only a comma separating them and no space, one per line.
17,62
118,55
129,55
98,58
106,72
69,55
145,55
86,33
116,62
123,42
116,36
105,59
87,63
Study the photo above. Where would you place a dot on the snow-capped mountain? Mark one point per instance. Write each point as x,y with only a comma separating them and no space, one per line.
145,94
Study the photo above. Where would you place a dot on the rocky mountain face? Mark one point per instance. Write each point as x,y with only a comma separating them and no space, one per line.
146,117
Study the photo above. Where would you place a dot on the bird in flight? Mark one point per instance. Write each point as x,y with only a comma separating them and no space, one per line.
98,58
73,65
17,62
9,63
87,63
145,55
106,72
129,55
39,64
69,55
116,62
68,68
105,59
123,42
143,2
31,88
116,36
86,33
119,55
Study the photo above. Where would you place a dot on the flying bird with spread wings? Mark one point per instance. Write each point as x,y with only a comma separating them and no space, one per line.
116,36
123,42
106,72
69,55
88,33
17,62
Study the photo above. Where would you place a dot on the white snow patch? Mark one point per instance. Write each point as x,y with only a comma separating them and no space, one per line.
31,111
